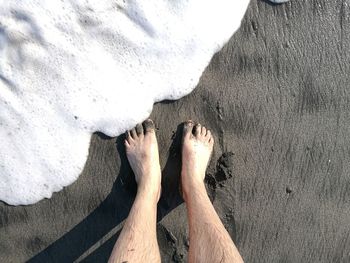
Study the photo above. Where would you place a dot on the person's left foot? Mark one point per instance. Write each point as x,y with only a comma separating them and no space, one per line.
142,152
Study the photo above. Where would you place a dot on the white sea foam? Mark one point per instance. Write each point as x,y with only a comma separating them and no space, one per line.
70,68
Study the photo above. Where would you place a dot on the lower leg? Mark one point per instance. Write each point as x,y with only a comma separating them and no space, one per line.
138,240
209,240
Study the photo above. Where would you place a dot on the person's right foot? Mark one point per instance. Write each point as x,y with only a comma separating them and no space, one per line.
197,145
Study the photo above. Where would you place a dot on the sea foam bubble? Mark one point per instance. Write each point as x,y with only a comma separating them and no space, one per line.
72,67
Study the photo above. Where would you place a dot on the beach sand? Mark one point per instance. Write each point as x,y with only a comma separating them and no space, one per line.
277,100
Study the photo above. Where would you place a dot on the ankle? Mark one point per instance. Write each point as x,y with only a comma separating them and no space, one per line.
147,197
192,178
193,189
148,192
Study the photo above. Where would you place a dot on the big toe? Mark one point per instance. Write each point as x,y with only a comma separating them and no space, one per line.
187,129
148,126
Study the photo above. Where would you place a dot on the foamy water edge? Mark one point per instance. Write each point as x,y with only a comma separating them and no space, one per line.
70,68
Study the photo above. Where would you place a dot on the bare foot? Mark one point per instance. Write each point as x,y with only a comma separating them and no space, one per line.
196,151
142,152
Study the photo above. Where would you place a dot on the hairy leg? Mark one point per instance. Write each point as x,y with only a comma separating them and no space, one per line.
138,241
209,240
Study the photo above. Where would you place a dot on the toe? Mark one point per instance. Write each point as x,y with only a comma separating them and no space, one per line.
187,130
133,134
139,130
204,131
211,140
148,126
126,143
128,137
197,130
208,134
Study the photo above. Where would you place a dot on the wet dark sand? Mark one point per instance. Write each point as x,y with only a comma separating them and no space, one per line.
277,99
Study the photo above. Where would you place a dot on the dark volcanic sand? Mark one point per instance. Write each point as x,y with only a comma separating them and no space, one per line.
277,99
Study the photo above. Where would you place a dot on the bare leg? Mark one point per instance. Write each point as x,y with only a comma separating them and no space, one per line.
209,240
138,241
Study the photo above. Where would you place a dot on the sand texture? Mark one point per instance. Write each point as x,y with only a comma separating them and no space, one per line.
277,99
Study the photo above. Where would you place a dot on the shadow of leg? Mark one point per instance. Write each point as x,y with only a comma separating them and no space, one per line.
109,214
171,197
